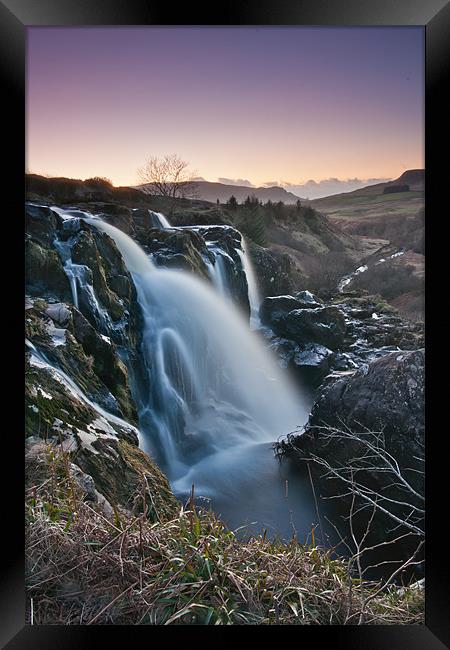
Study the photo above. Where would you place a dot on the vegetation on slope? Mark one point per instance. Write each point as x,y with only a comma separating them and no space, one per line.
88,567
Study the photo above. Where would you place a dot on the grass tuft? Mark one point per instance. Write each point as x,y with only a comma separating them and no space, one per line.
84,567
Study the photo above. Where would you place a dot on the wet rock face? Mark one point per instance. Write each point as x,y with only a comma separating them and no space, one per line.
41,224
311,362
323,325
98,253
44,272
273,308
68,340
181,249
273,271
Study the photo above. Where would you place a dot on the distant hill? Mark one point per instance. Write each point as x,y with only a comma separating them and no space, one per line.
382,211
208,191
373,202
414,178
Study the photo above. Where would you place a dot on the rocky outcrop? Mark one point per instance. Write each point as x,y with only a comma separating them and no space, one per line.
102,452
391,385
67,339
97,252
310,362
274,271
274,308
181,249
44,272
323,325
385,396
373,330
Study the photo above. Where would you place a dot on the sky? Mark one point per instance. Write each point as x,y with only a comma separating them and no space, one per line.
305,108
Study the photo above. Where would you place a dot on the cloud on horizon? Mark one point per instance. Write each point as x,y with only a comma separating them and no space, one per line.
317,189
236,181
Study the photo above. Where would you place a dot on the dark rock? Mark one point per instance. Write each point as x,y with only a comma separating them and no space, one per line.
325,325
310,362
313,361
226,237
121,285
360,313
273,308
104,261
106,363
41,223
385,396
392,385
183,249
44,272
274,271
307,300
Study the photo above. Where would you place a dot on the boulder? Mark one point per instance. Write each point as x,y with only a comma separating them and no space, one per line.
394,385
273,308
313,362
310,362
386,395
324,325
60,313
308,300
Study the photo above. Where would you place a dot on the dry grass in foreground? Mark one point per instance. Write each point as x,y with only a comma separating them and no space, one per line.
84,567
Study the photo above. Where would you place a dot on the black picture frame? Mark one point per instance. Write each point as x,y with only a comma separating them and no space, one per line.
433,15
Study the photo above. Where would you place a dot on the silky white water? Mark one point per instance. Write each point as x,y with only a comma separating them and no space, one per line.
253,291
212,387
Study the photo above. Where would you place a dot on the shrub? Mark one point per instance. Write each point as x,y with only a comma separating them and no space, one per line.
327,269
99,181
389,280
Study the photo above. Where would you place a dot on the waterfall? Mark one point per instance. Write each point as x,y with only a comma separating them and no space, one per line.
159,219
213,387
218,271
253,291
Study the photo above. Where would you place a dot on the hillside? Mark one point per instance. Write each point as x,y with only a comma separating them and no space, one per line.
208,191
294,238
290,245
351,208
397,219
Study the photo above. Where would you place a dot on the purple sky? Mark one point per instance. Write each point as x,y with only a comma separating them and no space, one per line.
280,105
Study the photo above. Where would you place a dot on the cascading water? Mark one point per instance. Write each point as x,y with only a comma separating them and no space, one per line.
214,388
210,396
80,275
253,291
159,219
218,271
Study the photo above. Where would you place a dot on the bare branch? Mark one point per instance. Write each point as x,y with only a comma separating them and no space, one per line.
168,176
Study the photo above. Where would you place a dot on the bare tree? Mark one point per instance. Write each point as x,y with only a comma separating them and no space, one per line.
168,176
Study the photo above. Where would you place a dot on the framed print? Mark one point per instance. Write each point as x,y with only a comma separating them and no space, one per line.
233,373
